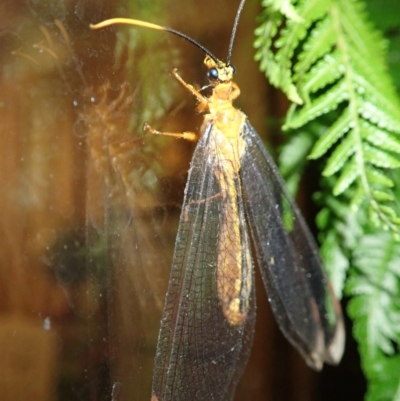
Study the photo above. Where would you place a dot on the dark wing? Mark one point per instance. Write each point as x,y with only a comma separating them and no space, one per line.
299,292
200,356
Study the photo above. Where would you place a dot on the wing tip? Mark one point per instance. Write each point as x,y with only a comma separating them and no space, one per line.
334,351
329,353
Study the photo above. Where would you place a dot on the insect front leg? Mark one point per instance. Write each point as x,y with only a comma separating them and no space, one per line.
203,101
190,136
202,106
235,91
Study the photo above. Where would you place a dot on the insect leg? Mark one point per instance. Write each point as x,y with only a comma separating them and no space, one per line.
190,136
202,99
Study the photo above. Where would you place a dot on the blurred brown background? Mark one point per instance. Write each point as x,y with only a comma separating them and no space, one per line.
89,204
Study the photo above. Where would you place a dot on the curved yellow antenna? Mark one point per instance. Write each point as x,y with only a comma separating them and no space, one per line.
135,22
128,21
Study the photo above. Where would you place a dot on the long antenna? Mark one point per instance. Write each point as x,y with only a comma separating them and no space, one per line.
234,29
136,22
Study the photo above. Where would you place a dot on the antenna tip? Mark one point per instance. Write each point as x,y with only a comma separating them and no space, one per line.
96,26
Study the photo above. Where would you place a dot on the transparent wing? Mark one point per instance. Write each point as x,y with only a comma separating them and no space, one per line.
298,290
200,355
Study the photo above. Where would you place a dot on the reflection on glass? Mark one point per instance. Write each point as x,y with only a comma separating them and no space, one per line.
90,204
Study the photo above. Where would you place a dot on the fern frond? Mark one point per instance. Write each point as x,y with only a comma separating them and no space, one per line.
319,43
284,7
330,61
340,155
323,72
331,136
339,233
293,158
375,309
332,221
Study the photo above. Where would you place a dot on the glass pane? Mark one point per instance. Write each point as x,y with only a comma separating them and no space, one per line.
90,204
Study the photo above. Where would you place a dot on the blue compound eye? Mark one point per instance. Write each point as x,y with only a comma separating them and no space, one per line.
212,74
233,69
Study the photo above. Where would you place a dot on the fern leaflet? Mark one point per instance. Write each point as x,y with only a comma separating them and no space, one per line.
375,309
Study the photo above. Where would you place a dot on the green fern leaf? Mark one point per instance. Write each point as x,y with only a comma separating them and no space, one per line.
373,113
379,158
319,43
332,135
348,176
385,387
295,31
340,155
336,261
382,196
357,198
388,211
376,177
375,310
333,59
380,138
323,73
322,105
285,7
383,94
292,159
340,233
268,63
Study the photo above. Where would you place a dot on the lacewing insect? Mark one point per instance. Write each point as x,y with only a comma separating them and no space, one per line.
234,192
